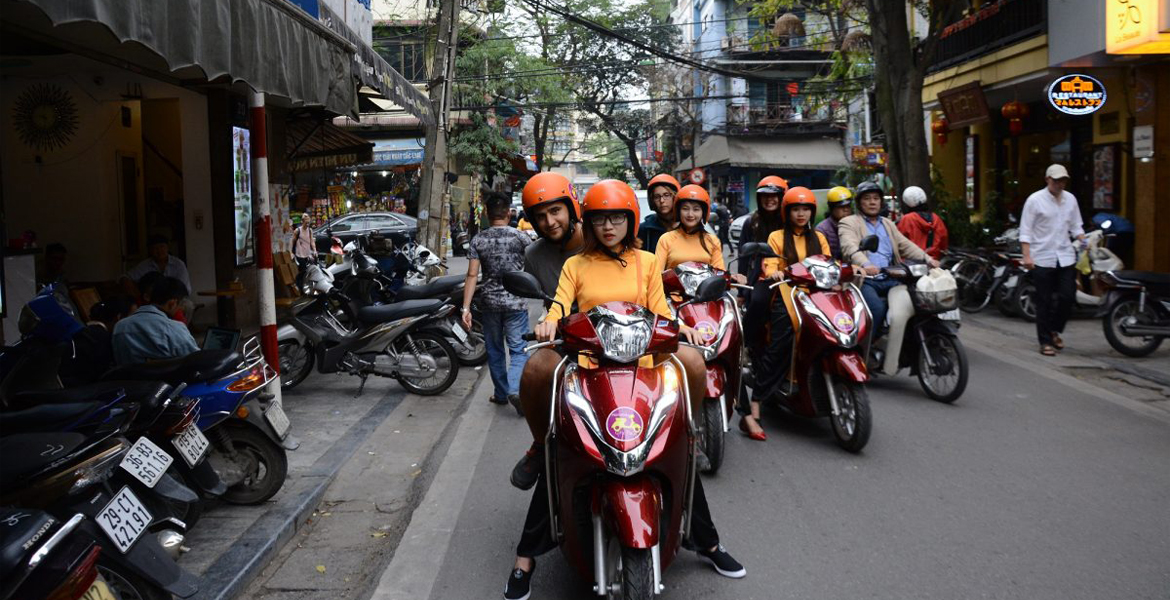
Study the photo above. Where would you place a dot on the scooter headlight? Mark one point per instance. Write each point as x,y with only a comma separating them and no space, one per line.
624,338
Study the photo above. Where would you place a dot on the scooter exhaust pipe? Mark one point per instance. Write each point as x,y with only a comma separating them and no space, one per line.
1135,330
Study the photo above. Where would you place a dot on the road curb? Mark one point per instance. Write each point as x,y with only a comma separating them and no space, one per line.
234,570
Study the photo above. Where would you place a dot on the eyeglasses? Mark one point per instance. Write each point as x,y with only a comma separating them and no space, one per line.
657,197
613,218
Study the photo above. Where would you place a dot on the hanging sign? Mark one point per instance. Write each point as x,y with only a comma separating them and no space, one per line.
697,176
1076,94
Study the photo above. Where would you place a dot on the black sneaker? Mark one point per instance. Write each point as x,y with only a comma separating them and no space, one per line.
724,563
495,400
514,400
525,473
519,584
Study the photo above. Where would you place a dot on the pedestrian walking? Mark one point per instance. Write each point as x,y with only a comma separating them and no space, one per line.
1050,219
498,250
304,247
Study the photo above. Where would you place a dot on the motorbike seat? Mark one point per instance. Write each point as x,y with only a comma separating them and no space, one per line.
204,365
147,394
438,287
23,530
47,417
373,315
1145,277
26,453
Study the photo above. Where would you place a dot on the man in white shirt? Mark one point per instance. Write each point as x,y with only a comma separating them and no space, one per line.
1051,218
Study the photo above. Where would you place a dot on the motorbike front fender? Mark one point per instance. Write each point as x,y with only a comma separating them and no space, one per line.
631,508
170,488
1111,298
849,366
716,381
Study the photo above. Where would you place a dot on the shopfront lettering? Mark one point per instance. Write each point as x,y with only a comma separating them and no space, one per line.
309,163
1076,94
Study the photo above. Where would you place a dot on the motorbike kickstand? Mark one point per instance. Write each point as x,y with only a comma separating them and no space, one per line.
364,376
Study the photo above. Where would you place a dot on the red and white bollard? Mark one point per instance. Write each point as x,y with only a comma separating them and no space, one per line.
265,287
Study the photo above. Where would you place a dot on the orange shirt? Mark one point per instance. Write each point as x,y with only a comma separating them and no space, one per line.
776,241
677,247
592,279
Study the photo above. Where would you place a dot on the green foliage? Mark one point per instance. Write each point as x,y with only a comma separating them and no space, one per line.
482,148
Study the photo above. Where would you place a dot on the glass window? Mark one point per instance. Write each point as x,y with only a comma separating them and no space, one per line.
383,222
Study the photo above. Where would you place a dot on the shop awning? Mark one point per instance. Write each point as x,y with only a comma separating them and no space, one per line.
770,153
377,74
314,144
271,45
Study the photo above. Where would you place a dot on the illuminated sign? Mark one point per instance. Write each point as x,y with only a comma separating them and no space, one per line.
1137,27
1076,94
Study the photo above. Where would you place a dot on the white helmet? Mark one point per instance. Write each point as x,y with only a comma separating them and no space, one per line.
914,196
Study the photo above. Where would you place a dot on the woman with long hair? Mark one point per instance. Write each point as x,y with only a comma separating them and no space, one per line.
690,242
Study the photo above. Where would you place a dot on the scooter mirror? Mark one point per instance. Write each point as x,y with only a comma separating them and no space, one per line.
711,289
757,249
525,285
869,243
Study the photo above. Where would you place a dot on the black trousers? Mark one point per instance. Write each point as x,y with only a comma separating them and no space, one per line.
302,264
768,334
537,537
1056,291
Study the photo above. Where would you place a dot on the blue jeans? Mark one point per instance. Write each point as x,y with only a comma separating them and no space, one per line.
875,291
498,328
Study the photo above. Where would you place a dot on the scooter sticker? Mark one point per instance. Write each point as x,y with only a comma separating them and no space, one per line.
843,322
706,329
624,424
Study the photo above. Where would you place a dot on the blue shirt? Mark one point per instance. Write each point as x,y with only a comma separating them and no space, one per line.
149,334
885,252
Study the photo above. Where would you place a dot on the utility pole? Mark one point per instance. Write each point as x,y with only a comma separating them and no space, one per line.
432,201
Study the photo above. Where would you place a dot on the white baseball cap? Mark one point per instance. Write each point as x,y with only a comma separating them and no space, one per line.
914,196
1056,171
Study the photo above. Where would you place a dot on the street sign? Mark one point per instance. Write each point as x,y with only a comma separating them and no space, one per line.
1143,141
697,176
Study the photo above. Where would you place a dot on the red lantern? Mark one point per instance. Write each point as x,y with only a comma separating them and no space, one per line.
940,128
1015,112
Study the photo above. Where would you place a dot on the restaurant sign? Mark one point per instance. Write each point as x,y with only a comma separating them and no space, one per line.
1076,94
330,161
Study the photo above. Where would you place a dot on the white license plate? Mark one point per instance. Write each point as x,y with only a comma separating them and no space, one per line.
457,331
999,270
124,519
1011,282
98,590
191,444
950,315
277,418
146,462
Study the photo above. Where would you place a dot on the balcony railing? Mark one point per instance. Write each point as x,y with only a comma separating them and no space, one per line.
996,25
754,118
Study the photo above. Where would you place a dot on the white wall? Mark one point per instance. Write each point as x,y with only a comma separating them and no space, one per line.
71,194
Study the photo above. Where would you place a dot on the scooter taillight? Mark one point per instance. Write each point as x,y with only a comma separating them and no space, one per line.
253,379
80,579
189,417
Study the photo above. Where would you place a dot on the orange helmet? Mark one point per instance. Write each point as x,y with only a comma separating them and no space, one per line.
772,185
611,194
694,193
548,187
796,197
663,179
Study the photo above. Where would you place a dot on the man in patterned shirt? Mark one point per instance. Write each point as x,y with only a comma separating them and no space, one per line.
499,249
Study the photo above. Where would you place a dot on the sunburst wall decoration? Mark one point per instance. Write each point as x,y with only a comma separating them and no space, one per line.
45,117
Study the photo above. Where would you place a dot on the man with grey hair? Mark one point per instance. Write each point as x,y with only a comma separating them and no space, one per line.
1049,221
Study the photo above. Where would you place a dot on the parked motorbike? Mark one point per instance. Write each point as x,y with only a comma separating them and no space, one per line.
1136,312
619,451
42,557
985,278
832,337
923,335
1090,294
389,340
719,323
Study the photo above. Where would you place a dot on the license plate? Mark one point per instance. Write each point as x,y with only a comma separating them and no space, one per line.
124,519
146,462
191,444
999,270
1011,282
277,418
950,315
98,591
457,331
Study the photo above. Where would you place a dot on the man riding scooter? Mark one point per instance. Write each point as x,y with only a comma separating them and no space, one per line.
550,204
893,248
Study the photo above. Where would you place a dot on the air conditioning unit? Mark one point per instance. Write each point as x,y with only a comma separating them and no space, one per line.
727,44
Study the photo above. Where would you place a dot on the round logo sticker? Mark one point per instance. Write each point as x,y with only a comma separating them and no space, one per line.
706,329
1076,94
843,322
624,424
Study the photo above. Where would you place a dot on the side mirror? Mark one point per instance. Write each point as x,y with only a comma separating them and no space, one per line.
711,289
525,285
757,249
869,243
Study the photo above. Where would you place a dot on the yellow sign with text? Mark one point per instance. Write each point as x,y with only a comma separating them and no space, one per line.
1132,27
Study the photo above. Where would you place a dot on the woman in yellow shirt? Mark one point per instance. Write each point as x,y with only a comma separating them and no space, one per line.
792,244
611,268
690,242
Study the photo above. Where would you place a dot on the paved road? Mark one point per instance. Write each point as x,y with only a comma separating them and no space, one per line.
1027,488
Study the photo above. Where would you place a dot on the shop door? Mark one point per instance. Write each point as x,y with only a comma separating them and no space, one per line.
132,239
162,159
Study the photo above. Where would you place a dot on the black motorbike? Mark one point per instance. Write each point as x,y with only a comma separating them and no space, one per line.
1136,311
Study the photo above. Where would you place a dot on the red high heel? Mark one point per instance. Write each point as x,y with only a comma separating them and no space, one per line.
759,436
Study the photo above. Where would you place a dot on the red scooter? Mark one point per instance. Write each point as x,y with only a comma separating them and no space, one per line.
830,347
620,448
719,324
